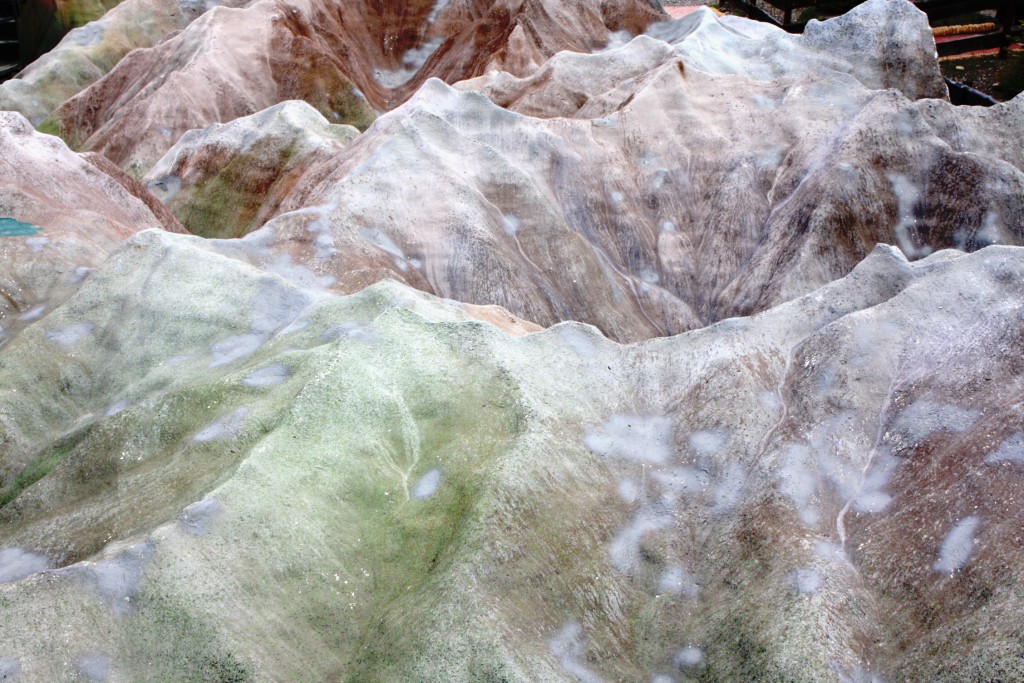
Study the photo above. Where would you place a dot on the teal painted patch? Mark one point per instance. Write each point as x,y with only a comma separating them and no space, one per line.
12,228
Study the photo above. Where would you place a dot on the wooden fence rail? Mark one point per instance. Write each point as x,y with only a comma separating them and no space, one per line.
10,57
1007,14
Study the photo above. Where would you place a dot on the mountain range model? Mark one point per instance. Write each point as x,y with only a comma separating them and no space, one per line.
507,341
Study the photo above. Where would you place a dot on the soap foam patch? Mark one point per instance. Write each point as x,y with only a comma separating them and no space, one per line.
427,485
677,581
958,545
71,335
632,437
16,564
567,646
224,427
1010,450
93,666
269,376
199,518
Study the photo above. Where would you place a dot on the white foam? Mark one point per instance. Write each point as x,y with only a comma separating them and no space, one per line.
436,11
632,437
958,546
677,581
660,176
294,326
16,564
297,274
830,453
71,335
872,501
617,39
10,667
649,276
323,246
907,198
925,417
165,189
353,330
268,376
806,579
427,485
771,159
87,36
1010,450
199,518
708,442
225,426
770,401
799,482
93,666
78,274
511,225
832,552
34,313
688,658
115,408
729,488
629,490
577,340
871,497
117,579
568,648
231,349
36,244
381,240
683,481
275,305
412,61
991,231
857,675
625,547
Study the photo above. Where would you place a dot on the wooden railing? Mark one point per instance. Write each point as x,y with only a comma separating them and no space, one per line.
10,54
1007,14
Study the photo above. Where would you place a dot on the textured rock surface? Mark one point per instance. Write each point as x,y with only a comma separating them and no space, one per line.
232,63
41,25
340,448
227,64
88,52
226,180
674,195
84,205
313,487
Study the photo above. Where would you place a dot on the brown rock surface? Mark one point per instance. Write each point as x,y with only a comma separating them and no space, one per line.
84,205
672,196
226,180
90,51
235,62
